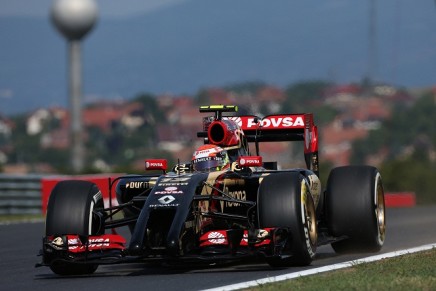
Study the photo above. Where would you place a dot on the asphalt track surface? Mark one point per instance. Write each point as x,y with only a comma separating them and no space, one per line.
20,243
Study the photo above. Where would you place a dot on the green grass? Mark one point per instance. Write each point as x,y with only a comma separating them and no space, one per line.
408,272
20,217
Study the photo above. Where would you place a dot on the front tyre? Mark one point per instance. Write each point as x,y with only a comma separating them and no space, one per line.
356,209
285,203
71,210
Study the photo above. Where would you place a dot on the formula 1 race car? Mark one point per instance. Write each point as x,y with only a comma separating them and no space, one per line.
208,212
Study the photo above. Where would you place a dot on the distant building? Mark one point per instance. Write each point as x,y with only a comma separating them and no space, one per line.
271,98
104,115
336,139
358,116
6,126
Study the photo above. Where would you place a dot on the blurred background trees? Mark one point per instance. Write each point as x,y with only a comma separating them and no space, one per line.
402,145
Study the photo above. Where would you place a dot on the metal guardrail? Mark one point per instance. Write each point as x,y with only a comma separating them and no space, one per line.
20,194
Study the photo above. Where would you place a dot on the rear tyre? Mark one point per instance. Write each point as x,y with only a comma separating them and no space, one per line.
356,209
285,203
70,210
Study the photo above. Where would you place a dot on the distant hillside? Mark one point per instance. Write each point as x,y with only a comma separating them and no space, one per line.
212,43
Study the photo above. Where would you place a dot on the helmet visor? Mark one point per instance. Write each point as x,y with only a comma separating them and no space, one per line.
207,164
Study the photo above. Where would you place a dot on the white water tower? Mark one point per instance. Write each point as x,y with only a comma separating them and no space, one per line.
74,19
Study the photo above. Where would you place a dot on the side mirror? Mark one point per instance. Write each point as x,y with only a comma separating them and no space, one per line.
250,161
156,164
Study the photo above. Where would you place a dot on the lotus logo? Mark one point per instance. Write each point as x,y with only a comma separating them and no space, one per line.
166,199
58,241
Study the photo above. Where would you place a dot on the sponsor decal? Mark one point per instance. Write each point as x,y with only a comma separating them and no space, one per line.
219,237
164,205
172,184
168,192
237,120
57,243
269,122
175,180
75,245
250,161
171,188
216,237
98,196
204,159
276,121
315,188
166,199
260,236
240,195
155,164
137,185
205,153
304,193
148,164
182,168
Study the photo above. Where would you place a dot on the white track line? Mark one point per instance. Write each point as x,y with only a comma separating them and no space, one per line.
322,269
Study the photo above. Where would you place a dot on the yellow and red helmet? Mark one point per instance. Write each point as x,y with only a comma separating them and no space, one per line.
209,158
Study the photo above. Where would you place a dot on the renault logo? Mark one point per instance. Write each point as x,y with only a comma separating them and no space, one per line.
166,199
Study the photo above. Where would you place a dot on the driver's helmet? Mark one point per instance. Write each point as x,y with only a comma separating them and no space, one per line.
209,158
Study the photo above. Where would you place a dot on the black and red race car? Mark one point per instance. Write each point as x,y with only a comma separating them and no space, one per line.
252,209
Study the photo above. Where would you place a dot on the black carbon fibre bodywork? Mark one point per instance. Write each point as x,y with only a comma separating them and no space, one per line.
250,209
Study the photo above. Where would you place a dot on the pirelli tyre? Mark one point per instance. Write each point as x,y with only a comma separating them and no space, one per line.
71,210
285,203
355,209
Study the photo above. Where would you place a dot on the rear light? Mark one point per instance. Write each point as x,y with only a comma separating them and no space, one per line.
155,164
250,161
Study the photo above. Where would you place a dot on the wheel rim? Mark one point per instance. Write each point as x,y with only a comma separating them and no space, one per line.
311,221
90,220
309,216
380,211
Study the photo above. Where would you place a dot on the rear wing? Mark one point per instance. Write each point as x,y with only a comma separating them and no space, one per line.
271,128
